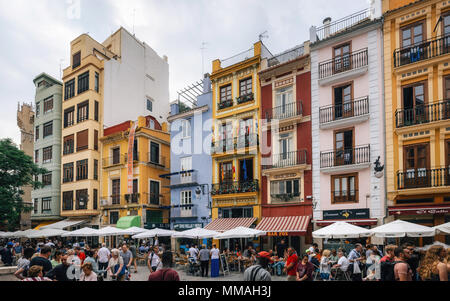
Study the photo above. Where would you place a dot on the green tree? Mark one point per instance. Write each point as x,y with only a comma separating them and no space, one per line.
16,170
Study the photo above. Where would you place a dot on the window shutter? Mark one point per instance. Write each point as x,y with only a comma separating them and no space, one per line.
82,140
95,139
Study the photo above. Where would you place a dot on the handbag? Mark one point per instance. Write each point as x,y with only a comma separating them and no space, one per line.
356,269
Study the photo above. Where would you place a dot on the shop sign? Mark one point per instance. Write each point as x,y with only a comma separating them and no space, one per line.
159,226
346,214
182,227
419,211
277,234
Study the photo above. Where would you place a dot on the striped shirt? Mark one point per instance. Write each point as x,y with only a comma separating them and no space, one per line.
37,279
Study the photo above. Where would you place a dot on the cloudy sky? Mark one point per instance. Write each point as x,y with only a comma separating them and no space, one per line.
36,35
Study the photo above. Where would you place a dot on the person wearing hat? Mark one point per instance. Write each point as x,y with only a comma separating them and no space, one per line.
259,271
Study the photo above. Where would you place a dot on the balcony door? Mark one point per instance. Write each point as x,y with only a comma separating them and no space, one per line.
186,165
344,188
226,173
446,101
116,156
447,163
414,101
115,191
417,165
344,145
411,38
341,58
246,171
154,193
284,104
343,105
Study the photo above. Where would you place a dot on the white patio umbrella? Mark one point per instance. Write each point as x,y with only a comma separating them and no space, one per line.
46,233
401,228
342,230
240,232
112,231
436,243
197,233
135,230
21,234
154,232
85,232
444,229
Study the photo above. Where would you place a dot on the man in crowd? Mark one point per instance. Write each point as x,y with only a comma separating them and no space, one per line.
204,260
387,263
355,257
402,270
291,265
80,254
259,271
61,271
414,259
103,258
342,263
42,259
153,261
281,248
134,253
127,257
193,254
166,273
305,269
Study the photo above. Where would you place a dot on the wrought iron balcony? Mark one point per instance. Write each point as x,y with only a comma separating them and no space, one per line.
350,156
287,56
184,211
347,62
235,187
222,146
226,104
156,160
423,114
287,160
422,51
284,112
247,141
355,108
133,198
342,25
245,98
184,179
113,161
344,196
154,199
284,198
423,178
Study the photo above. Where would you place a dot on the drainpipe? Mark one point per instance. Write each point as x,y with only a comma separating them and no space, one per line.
383,94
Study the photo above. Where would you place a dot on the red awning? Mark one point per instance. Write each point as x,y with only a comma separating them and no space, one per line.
357,222
420,210
225,224
286,224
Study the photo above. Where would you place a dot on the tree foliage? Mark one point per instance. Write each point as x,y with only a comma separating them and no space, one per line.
16,170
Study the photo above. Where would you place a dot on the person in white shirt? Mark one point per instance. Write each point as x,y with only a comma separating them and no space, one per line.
214,262
193,254
154,263
103,258
343,262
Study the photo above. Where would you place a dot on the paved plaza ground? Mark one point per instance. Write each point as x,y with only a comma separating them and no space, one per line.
143,273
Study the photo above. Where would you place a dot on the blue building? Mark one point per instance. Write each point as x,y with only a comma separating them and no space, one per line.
190,158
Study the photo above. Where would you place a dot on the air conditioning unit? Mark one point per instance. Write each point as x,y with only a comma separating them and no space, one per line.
104,202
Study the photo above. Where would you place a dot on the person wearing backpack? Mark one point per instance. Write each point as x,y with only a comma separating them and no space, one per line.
402,270
116,267
387,264
153,261
259,271
23,264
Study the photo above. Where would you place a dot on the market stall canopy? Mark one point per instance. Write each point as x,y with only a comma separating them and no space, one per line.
46,233
226,224
445,228
21,234
64,224
437,243
155,232
240,232
135,230
197,233
111,231
400,228
287,224
127,222
85,232
342,230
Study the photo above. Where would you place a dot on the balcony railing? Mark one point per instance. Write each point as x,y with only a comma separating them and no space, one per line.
226,104
235,187
423,178
184,178
284,198
153,199
284,112
422,51
287,160
157,160
287,56
350,156
231,144
343,63
355,108
133,198
112,161
342,25
245,98
423,114
184,211
222,146
344,196
136,157
247,141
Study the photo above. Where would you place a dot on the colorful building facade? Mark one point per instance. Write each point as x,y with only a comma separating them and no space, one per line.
286,186
347,119
147,203
47,150
417,88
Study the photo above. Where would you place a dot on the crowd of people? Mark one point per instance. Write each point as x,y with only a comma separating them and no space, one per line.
58,261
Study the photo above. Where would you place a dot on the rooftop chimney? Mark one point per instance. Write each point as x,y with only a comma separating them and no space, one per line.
326,24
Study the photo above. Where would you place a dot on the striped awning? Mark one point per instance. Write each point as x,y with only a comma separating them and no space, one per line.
284,224
226,224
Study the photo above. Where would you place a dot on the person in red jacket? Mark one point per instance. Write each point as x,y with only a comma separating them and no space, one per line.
166,273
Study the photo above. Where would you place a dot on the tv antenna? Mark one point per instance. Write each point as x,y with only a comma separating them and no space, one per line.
134,19
203,48
264,35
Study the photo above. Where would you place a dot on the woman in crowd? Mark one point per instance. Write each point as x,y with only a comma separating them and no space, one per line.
433,266
91,257
448,262
325,265
115,267
87,274
35,274
333,256
23,264
56,260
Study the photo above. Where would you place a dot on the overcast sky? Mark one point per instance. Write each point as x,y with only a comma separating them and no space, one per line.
36,35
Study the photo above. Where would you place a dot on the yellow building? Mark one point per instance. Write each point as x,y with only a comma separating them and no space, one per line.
148,204
417,93
235,148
